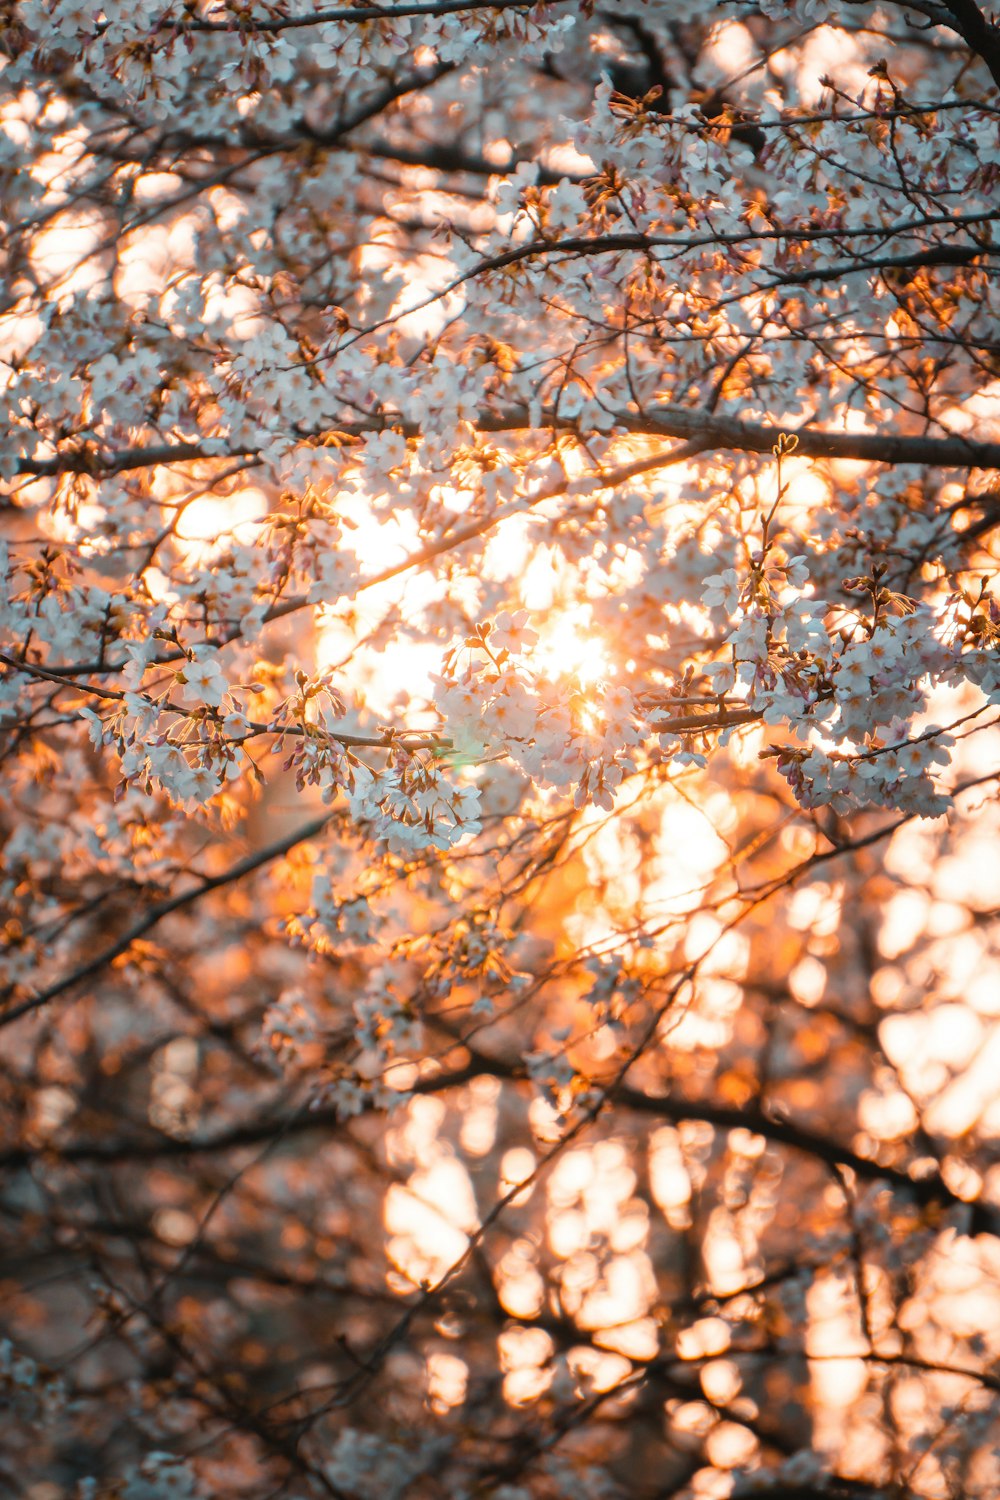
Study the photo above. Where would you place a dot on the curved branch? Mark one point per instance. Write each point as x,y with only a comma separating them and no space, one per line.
924,1190
162,909
698,426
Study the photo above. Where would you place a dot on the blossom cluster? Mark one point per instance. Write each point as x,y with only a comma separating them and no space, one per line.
442,445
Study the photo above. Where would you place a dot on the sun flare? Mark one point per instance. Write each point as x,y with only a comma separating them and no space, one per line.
570,650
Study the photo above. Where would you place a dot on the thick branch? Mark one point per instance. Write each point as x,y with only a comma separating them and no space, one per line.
271,24
925,1190
982,35
704,428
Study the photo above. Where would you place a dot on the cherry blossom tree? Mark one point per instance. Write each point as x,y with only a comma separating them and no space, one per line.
499,644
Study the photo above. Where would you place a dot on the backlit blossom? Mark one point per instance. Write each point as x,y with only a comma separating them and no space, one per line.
499,668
